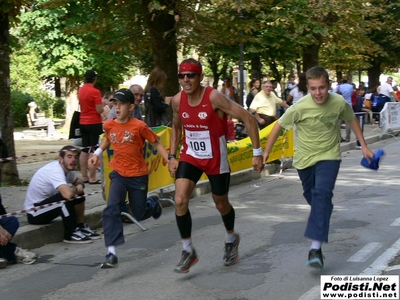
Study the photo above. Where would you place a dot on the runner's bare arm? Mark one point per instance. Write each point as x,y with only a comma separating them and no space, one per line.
220,102
233,109
176,133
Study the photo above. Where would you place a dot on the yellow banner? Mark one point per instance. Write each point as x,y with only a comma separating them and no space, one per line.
240,154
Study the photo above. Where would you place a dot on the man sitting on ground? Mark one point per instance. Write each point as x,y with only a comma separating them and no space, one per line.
51,184
9,252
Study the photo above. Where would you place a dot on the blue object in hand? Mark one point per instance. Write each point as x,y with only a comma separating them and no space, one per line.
374,164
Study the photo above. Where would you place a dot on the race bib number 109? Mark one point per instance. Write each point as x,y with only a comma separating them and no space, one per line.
199,144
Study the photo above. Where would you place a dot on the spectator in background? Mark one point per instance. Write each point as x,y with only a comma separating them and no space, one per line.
299,91
230,91
330,86
107,105
155,105
360,111
54,182
346,90
386,90
137,91
255,87
354,96
41,121
9,252
290,85
90,123
264,105
397,91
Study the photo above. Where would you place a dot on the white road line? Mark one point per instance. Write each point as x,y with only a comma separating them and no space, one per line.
382,261
313,294
391,268
365,252
375,268
396,222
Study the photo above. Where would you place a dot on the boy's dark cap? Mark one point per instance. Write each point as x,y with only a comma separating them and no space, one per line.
124,95
90,74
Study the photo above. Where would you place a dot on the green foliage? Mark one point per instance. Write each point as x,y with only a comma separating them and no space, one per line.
19,103
45,101
59,108
26,80
24,69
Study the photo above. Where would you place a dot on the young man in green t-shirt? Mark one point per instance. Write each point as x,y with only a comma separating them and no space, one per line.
317,157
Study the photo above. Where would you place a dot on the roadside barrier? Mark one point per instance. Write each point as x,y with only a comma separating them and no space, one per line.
35,154
390,117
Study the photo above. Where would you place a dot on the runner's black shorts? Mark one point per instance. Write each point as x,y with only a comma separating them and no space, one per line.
219,183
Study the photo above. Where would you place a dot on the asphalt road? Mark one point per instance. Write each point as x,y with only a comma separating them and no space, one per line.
271,215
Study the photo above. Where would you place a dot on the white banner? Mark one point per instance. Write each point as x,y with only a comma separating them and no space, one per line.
390,117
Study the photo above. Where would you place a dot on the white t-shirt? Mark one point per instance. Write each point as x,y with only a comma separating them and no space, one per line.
296,94
45,182
386,89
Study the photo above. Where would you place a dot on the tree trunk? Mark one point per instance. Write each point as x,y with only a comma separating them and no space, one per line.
275,72
162,32
57,87
373,75
256,66
214,62
161,25
71,94
310,56
10,172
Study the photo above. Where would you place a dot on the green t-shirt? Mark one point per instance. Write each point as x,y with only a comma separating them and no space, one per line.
317,126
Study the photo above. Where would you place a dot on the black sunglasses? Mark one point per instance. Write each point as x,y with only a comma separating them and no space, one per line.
189,75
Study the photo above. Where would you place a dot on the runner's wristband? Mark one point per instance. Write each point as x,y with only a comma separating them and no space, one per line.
98,151
257,152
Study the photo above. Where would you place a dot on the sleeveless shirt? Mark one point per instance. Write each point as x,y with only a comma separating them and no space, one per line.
204,135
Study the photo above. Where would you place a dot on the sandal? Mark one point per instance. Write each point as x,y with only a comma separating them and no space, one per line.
98,181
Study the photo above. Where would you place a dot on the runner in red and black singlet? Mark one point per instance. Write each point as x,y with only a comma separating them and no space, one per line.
200,115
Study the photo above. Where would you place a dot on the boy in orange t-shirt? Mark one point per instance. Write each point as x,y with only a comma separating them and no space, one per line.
130,173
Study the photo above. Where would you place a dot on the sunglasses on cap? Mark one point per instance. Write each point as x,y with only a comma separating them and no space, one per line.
189,75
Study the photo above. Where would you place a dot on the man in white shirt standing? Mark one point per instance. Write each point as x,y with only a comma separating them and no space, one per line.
386,89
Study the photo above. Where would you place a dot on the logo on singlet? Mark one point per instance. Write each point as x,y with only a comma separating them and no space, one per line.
185,115
202,115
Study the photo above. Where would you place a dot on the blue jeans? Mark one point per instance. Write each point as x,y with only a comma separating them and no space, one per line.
142,209
318,183
11,224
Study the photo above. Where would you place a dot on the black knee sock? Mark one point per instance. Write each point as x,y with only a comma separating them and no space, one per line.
184,225
229,219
